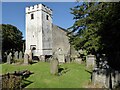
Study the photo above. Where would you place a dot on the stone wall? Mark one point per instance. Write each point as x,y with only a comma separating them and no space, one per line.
60,40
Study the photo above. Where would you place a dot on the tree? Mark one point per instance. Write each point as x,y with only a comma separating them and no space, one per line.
11,38
88,18
96,29
110,35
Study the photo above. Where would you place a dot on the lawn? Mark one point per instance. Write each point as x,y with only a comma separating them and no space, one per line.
75,77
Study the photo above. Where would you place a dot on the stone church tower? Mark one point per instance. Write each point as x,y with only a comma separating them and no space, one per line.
38,30
43,38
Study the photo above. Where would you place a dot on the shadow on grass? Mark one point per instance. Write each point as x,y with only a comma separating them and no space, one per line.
88,71
62,70
32,62
25,83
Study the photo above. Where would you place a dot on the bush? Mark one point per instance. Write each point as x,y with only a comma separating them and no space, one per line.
11,81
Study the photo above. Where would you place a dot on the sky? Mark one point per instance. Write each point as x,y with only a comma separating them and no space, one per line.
14,13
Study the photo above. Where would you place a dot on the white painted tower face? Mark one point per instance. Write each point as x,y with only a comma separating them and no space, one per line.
39,30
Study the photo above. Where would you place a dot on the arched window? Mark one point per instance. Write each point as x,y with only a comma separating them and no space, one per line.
47,17
32,16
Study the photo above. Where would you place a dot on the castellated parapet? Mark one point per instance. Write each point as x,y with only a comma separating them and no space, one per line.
39,7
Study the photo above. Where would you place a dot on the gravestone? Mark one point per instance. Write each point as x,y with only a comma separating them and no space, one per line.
54,66
67,58
20,55
9,57
78,60
90,60
60,56
30,56
26,59
42,58
115,78
100,77
16,55
106,77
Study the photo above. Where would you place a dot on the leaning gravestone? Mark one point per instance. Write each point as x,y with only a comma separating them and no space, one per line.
26,59
20,55
16,55
54,67
9,57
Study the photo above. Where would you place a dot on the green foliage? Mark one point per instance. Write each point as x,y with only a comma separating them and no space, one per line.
13,82
88,19
110,35
11,38
97,29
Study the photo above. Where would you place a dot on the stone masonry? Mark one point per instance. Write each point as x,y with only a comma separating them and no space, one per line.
43,38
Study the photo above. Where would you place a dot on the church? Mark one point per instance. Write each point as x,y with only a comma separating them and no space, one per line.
43,38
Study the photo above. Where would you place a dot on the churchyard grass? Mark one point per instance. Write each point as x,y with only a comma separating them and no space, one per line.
74,76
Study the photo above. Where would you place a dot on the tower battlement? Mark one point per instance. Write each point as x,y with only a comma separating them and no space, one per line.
37,8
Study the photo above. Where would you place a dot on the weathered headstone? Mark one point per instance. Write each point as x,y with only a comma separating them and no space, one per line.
100,77
54,66
67,58
30,56
90,60
26,59
60,56
78,60
43,58
16,55
106,77
20,55
115,78
9,57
